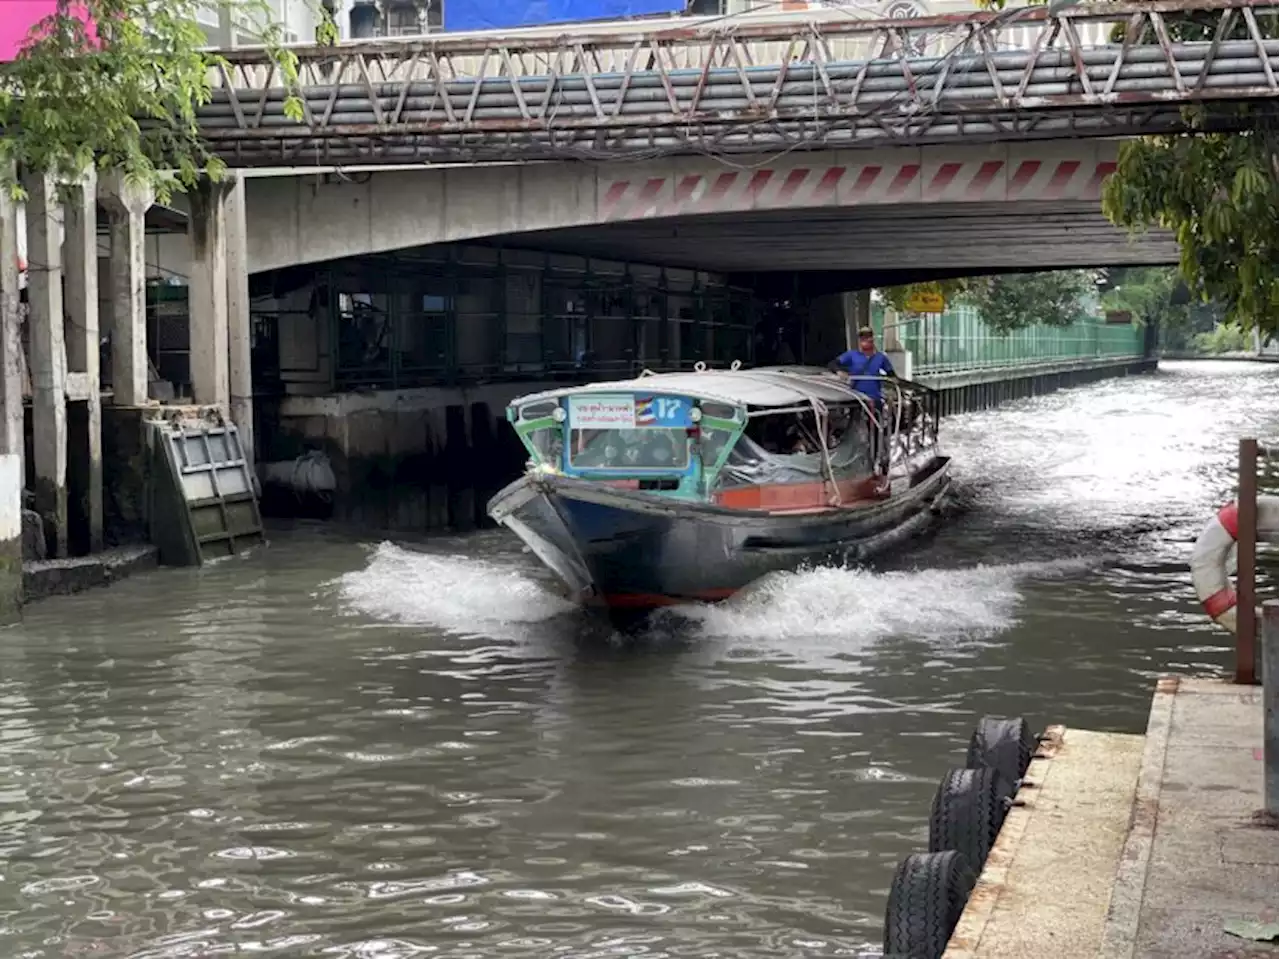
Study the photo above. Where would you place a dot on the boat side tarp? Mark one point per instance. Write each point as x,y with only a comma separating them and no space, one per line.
499,14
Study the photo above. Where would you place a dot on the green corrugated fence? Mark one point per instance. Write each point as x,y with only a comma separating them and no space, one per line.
959,340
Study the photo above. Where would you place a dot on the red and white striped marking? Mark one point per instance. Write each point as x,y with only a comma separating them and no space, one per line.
1213,547
851,184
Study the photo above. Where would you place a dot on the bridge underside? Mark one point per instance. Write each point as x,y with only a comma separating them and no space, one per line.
917,242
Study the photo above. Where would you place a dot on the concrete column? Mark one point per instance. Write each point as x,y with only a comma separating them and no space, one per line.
10,536
81,252
127,206
11,411
898,354
239,321
210,345
857,314
11,415
48,357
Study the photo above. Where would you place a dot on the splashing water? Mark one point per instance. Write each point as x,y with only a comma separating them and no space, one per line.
860,604
457,593
466,595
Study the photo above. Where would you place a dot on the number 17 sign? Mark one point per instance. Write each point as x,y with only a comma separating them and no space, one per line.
671,412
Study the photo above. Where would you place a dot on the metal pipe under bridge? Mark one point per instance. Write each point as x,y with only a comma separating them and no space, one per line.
756,84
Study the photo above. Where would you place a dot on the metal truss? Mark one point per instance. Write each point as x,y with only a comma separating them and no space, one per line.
755,85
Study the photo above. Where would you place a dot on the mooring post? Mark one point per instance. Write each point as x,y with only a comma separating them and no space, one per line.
1270,690
1246,563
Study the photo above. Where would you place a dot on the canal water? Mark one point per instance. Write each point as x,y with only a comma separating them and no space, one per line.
346,748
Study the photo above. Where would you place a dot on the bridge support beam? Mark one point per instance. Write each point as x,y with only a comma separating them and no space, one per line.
48,357
127,206
84,392
240,332
210,346
11,414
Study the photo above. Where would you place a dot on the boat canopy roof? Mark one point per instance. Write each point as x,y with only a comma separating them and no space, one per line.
762,387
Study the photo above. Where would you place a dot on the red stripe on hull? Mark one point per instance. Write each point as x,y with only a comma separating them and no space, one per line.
657,600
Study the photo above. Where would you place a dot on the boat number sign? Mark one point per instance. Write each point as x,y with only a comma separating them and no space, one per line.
629,412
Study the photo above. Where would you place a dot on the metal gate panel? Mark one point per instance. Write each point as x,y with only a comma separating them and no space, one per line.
214,503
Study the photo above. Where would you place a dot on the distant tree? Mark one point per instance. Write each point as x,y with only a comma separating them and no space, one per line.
1158,296
118,83
1218,192
1011,302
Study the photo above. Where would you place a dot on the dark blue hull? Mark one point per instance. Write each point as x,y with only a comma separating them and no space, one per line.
626,549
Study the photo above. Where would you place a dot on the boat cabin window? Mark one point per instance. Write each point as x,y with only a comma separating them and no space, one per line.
784,448
549,444
643,449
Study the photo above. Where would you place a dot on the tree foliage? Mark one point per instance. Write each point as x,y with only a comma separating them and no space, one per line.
1216,191
1159,297
118,83
1011,302
1014,301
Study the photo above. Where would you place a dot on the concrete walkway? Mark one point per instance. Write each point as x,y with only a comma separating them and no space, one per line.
1129,847
1196,857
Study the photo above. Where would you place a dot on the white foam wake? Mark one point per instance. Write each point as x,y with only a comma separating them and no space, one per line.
857,604
457,593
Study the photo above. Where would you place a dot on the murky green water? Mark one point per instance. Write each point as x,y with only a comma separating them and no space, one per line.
351,749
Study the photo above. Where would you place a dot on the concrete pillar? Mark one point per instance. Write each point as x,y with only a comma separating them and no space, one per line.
857,314
11,415
898,354
239,321
127,206
48,357
210,345
11,411
10,536
81,252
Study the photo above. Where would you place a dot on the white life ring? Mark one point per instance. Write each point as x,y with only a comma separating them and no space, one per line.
1212,550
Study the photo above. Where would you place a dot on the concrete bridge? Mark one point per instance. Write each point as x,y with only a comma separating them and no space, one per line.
1003,206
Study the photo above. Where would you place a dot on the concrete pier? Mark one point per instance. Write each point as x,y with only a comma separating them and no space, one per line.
48,357
83,388
127,205
207,296
1128,847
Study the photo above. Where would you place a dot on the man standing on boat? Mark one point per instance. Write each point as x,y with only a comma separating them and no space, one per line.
865,366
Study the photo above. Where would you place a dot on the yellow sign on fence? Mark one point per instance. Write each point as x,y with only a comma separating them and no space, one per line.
922,301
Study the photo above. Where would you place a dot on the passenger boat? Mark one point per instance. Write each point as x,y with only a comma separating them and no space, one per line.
679,487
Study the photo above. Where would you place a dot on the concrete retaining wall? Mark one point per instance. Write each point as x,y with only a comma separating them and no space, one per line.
404,460
969,390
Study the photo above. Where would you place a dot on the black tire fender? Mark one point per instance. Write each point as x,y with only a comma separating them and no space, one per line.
968,810
1005,745
926,898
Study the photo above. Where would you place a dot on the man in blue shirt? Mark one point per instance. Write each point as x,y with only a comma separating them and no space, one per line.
865,366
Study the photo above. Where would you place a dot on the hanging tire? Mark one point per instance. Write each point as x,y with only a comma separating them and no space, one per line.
1005,745
968,809
926,898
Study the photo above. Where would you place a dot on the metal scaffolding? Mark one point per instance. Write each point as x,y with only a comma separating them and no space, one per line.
756,85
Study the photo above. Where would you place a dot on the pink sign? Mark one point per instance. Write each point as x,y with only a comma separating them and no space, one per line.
17,17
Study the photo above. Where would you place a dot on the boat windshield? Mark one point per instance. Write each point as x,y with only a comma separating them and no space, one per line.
629,449
784,449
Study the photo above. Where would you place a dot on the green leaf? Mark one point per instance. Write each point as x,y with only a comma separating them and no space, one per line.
127,97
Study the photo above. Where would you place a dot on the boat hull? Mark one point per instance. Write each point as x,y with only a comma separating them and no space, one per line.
630,550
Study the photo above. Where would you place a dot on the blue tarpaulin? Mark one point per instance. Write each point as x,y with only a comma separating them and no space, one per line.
499,14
